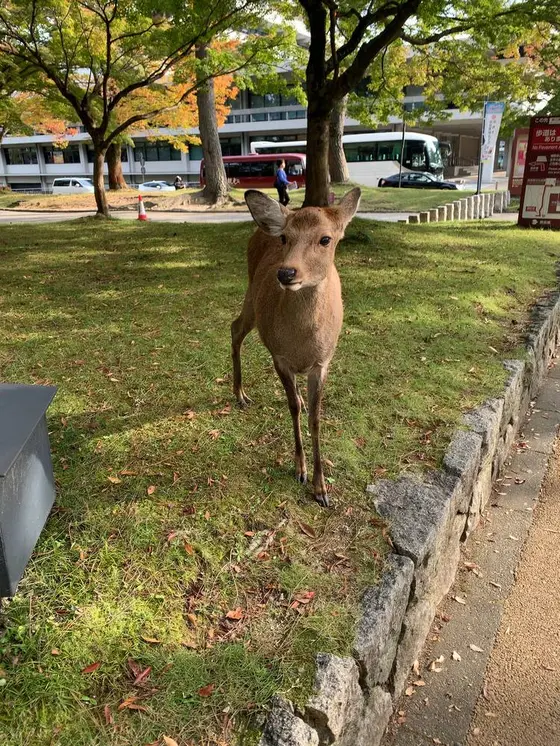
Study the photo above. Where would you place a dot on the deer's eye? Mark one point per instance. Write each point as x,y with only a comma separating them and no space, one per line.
325,241
283,239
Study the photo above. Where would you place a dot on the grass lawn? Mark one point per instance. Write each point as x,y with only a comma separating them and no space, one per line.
184,576
373,199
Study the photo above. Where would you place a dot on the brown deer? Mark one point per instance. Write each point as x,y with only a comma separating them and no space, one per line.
295,302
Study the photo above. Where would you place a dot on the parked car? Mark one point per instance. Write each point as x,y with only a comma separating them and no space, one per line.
156,186
73,185
416,180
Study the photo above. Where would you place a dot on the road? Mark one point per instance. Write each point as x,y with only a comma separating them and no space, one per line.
24,216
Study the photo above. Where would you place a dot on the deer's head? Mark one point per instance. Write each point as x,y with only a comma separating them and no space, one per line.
309,236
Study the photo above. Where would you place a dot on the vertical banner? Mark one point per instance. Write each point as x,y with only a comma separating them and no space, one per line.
493,111
540,197
517,161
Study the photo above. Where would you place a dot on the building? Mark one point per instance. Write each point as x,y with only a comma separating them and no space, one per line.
31,163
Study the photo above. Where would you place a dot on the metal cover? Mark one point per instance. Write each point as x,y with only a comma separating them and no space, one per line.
21,408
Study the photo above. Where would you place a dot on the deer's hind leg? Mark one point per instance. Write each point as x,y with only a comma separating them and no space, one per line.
294,402
239,330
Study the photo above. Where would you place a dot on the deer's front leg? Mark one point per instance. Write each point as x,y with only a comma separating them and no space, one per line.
294,402
315,383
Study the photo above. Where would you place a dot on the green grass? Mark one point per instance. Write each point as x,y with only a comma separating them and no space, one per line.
167,495
373,199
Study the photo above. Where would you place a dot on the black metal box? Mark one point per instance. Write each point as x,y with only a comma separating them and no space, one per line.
26,477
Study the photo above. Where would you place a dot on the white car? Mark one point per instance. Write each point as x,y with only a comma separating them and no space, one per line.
156,186
73,185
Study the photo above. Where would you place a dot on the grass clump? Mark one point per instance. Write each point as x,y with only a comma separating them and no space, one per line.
184,576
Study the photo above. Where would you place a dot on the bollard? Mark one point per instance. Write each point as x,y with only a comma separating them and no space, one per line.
414,219
470,208
476,206
465,203
508,197
450,211
424,217
26,477
492,203
458,210
434,215
441,213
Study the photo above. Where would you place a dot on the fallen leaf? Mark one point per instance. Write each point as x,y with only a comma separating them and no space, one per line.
420,682
513,538
192,619
55,651
250,534
410,691
493,349
142,676
152,640
214,434
188,548
476,732
496,585
455,655
490,715
151,489
134,706
169,741
307,530
108,715
126,703
207,690
436,740
459,600
235,614
114,480
127,473
548,668
476,649
92,667
416,667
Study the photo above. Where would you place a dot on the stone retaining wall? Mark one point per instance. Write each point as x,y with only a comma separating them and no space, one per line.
429,519
466,208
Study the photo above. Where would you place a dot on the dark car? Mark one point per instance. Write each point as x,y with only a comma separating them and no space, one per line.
416,180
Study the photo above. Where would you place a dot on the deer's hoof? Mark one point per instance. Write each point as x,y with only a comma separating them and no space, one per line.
301,477
243,401
323,499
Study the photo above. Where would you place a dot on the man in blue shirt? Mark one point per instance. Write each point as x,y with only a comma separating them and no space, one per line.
281,183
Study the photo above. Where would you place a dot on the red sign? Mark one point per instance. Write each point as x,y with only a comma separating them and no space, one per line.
517,164
540,196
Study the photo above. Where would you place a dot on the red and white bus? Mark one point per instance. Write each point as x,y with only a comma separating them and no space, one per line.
258,171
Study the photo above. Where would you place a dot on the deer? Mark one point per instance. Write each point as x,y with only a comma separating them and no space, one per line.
294,299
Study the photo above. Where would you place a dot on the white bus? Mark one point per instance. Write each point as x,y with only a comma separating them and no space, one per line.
375,155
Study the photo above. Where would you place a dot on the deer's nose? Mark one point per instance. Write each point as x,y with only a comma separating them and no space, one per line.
286,275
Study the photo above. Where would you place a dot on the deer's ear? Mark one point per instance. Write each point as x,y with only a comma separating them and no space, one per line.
268,214
348,205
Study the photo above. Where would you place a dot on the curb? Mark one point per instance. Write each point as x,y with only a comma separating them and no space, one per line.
429,520
477,206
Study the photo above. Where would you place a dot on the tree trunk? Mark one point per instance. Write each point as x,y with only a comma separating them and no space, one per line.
337,160
99,183
317,172
215,190
114,166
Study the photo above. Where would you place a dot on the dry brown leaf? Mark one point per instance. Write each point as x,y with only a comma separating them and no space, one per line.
169,741
307,530
152,640
207,690
55,651
126,703
410,691
235,614
92,667
455,655
188,548
416,667
192,619
114,480
151,489
109,720
459,600
420,682
142,676
214,434
476,649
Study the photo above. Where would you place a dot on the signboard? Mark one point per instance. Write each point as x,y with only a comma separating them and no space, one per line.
493,111
517,162
540,197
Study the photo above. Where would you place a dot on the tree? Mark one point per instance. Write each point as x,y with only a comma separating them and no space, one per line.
348,36
98,54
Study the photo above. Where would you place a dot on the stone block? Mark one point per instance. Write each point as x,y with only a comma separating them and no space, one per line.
417,623
414,219
383,608
434,215
337,700
462,459
513,393
486,420
424,217
450,208
442,213
415,511
284,728
476,206
491,208
470,208
377,710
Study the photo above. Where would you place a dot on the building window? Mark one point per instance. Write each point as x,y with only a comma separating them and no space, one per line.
90,154
195,152
270,100
20,156
58,156
231,146
156,151
298,114
259,117
274,116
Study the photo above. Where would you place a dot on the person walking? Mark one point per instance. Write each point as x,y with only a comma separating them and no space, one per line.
281,183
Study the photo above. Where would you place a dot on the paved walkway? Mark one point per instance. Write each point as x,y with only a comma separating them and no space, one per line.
497,679
23,216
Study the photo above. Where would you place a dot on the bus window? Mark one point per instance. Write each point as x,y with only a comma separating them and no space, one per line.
294,169
389,151
414,155
360,152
